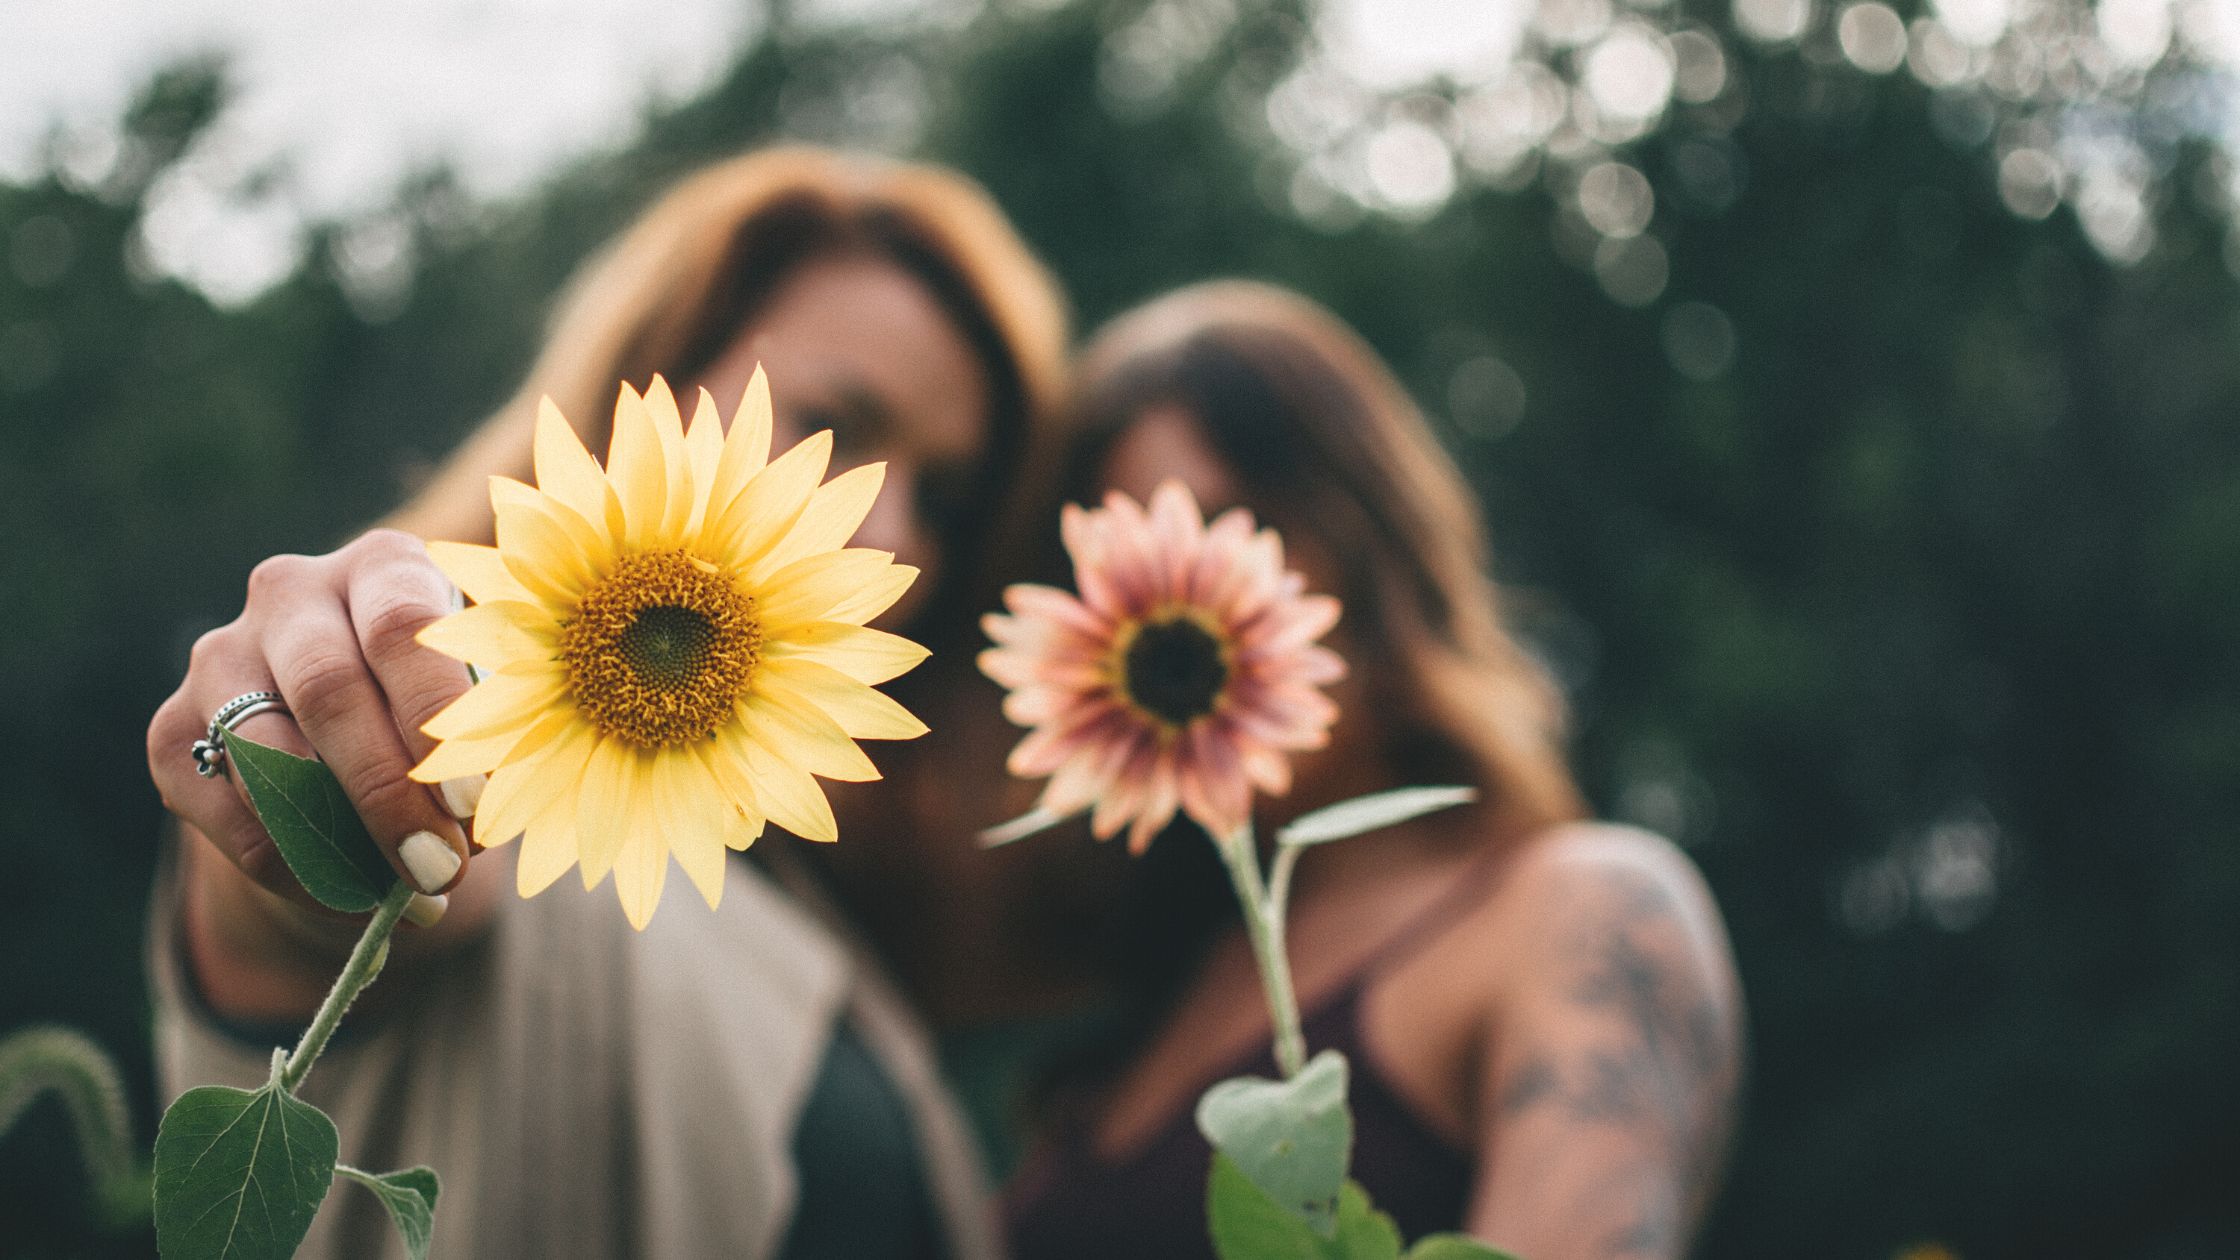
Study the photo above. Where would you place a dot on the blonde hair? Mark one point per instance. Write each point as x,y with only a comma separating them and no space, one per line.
1325,440
674,289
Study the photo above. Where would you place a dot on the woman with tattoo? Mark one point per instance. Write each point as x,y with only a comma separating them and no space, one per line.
1541,1011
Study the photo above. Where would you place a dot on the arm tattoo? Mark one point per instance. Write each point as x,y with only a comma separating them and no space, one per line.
1663,1065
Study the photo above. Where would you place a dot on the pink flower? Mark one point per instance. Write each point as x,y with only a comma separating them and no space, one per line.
1181,677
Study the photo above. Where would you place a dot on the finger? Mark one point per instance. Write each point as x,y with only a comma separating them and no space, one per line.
222,665
321,671
391,600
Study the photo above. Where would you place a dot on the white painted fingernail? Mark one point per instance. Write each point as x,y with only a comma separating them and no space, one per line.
462,794
430,861
425,910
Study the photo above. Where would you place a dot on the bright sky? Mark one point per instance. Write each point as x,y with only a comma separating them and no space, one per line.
348,99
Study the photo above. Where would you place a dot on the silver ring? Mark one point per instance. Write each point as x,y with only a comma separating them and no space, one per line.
210,750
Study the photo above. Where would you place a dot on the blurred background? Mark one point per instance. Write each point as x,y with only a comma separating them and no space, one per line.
1853,386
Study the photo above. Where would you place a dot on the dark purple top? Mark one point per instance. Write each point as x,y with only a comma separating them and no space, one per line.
1069,1202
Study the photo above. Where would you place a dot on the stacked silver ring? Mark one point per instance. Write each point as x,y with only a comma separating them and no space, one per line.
210,750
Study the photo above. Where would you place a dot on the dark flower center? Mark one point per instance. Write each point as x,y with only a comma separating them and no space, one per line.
666,646
1174,670
660,650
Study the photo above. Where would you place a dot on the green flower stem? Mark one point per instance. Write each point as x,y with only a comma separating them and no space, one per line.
1263,918
37,1060
365,963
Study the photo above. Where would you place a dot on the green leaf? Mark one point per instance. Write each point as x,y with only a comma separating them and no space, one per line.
302,805
1367,813
410,1197
1454,1247
1290,1138
1364,1233
239,1174
1248,1225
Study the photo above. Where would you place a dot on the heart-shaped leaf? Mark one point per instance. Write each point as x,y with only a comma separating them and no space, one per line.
1367,813
410,1197
1290,1138
240,1173
302,805
1454,1247
1248,1225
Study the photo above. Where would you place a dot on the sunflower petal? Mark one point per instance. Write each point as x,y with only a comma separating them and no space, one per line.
703,448
746,445
520,790
676,463
856,709
835,511
479,572
754,520
552,551
812,589
457,758
789,796
513,698
691,832
604,802
639,473
547,850
640,870
725,759
566,471
864,654
494,634
811,739
877,596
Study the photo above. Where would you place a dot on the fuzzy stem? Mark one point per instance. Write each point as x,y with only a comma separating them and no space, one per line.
365,963
37,1060
1263,920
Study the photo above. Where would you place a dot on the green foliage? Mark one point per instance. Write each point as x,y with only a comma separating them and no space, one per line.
319,835
1290,1138
410,1197
1369,813
1454,1247
1248,1225
240,1173
40,1061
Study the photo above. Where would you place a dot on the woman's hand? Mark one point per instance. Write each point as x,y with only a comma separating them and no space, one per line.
334,636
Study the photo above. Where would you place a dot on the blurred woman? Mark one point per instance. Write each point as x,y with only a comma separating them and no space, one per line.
743,1083
1541,1011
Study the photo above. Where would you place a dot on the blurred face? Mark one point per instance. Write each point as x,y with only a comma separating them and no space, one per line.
856,345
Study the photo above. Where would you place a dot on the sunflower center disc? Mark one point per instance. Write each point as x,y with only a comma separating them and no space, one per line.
661,650
1174,670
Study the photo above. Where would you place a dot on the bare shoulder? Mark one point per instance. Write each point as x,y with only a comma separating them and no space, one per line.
1585,881
1623,996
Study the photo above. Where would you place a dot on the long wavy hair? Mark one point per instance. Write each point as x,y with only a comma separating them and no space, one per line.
1323,443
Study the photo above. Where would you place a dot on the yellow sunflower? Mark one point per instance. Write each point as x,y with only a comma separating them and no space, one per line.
672,647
